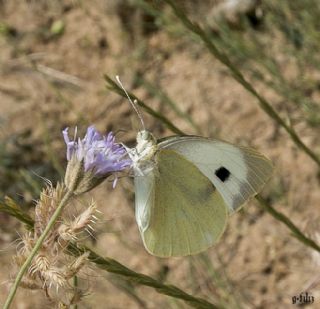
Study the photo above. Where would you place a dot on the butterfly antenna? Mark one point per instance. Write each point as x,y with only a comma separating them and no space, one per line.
133,103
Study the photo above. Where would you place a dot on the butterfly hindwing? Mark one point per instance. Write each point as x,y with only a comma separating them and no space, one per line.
238,173
179,210
144,199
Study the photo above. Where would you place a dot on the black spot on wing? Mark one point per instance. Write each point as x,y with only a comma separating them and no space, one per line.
222,173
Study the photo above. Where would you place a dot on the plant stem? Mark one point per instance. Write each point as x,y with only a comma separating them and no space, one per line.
75,285
36,248
114,266
284,219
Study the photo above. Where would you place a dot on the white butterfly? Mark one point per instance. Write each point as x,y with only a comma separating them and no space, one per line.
185,187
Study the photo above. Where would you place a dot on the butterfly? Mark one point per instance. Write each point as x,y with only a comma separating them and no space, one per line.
187,186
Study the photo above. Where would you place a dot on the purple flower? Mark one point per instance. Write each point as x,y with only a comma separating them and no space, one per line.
99,156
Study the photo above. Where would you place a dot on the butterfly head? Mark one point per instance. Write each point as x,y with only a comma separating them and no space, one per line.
146,145
142,155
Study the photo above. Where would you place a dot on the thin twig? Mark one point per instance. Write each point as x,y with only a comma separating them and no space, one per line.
113,266
59,75
284,219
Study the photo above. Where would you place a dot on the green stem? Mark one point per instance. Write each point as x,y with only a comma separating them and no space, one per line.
114,266
284,219
75,285
36,248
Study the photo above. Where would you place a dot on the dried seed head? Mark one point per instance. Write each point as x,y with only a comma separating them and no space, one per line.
69,231
66,233
76,265
54,277
49,200
41,263
51,267
26,244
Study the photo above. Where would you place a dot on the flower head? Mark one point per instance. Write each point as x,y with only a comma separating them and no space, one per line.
92,159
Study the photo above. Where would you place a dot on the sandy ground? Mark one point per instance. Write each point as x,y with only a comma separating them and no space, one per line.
257,264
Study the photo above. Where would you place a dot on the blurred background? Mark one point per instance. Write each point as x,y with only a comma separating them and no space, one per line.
53,56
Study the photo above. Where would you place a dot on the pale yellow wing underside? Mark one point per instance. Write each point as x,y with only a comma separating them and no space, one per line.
180,210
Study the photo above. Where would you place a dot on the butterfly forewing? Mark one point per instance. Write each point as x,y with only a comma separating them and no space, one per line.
185,212
238,173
